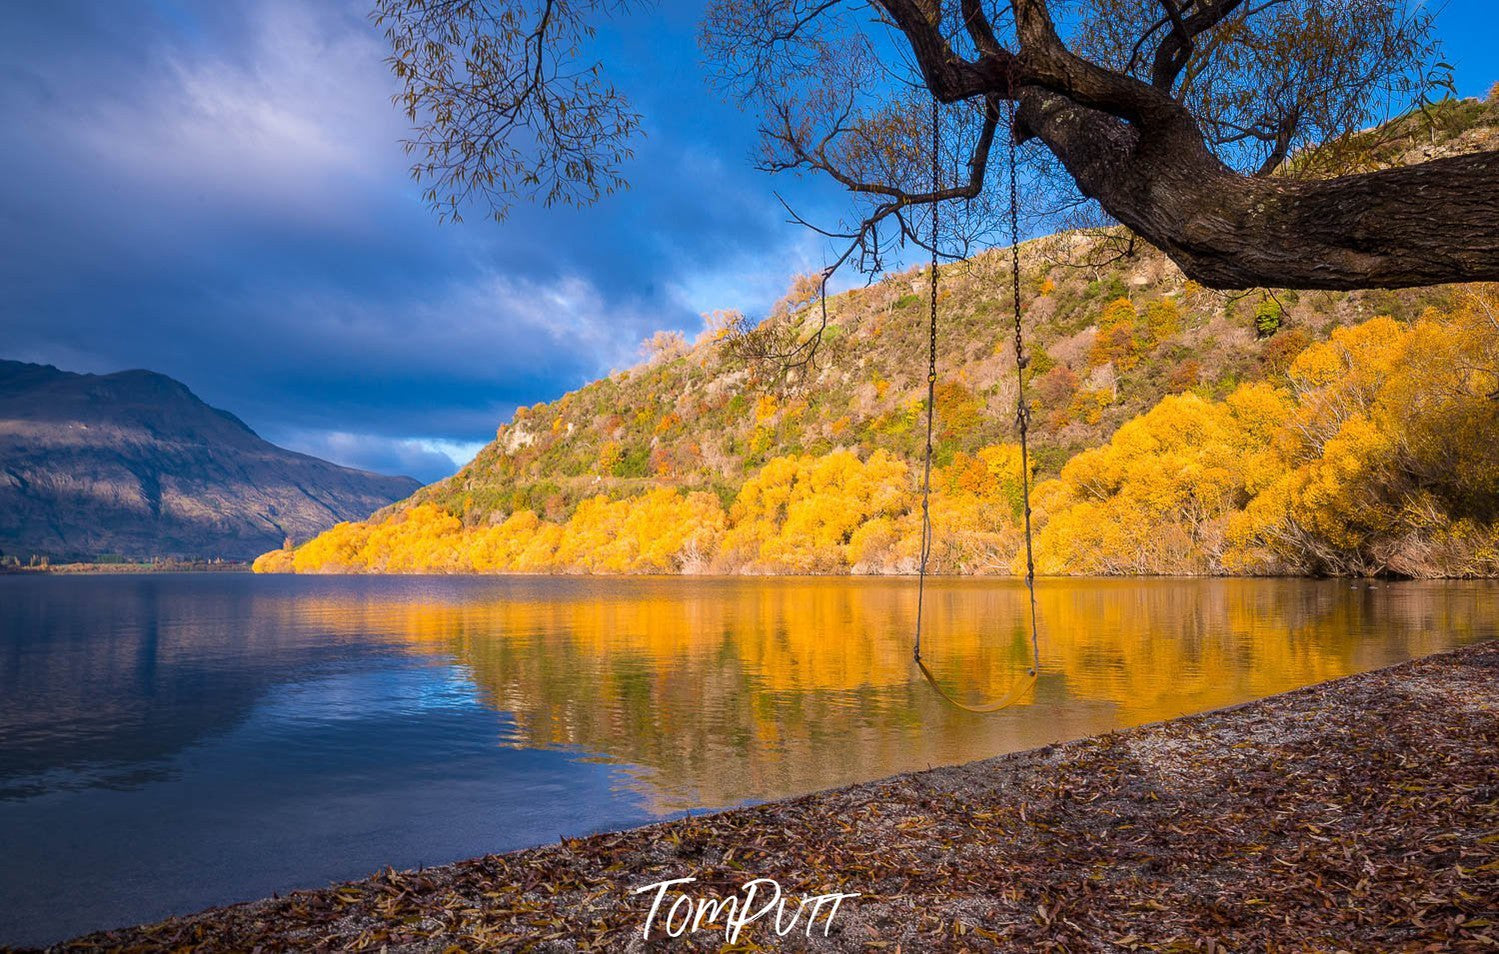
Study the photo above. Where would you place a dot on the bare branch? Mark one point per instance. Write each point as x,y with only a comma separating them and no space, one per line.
1204,151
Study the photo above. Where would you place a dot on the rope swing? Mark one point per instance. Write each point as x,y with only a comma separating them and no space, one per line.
1022,424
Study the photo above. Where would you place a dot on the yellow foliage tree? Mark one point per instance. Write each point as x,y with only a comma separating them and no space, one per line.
1380,454
1162,321
1115,341
799,514
1156,498
1390,461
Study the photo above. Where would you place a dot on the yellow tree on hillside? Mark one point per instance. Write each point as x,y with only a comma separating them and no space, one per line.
1156,498
1390,462
799,514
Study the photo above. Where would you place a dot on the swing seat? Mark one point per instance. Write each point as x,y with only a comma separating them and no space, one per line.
1019,689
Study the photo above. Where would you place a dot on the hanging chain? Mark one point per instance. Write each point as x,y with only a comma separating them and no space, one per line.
1022,407
931,389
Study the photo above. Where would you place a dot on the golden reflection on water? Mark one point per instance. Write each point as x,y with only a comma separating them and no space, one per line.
722,690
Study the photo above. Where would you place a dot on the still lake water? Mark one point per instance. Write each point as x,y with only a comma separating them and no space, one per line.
169,742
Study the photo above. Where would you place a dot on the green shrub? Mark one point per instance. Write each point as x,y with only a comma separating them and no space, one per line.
636,462
1268,317
1111,290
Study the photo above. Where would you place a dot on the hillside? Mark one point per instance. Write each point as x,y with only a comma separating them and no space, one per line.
693,416
1107,343
133,464
703,458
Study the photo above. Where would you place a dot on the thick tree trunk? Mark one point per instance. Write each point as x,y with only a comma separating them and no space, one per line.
1425,224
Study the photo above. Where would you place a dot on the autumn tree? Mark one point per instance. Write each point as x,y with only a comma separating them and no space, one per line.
1189,121
663,346
1116,336
1390,462
1374,450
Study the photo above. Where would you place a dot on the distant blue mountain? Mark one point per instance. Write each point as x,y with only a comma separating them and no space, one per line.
134,464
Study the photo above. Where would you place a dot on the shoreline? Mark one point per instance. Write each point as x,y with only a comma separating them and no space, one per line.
1376,579
1361,813
93,569
87,569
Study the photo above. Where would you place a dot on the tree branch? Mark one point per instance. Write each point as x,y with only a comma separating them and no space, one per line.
1375,230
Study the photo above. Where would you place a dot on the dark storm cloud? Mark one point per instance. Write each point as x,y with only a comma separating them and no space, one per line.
215,191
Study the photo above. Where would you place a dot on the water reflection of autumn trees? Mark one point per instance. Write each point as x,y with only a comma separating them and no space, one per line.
723,690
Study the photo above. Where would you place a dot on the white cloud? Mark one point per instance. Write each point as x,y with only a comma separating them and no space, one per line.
223,199
425,458
753,281
459,452
296,120
486,327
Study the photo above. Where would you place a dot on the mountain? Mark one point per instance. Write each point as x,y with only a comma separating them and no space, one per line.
133,464
1174,430
708,457
703,417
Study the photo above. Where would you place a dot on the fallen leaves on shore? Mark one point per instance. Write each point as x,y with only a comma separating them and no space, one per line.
1356,815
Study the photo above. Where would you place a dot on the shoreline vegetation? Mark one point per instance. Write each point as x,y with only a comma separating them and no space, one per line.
1357,814
138,566
1374,452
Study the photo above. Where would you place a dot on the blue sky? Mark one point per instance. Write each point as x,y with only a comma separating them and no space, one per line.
214,190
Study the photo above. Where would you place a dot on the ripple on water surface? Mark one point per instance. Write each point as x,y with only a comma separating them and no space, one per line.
169,742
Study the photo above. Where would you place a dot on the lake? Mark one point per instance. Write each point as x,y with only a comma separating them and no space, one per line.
169,742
